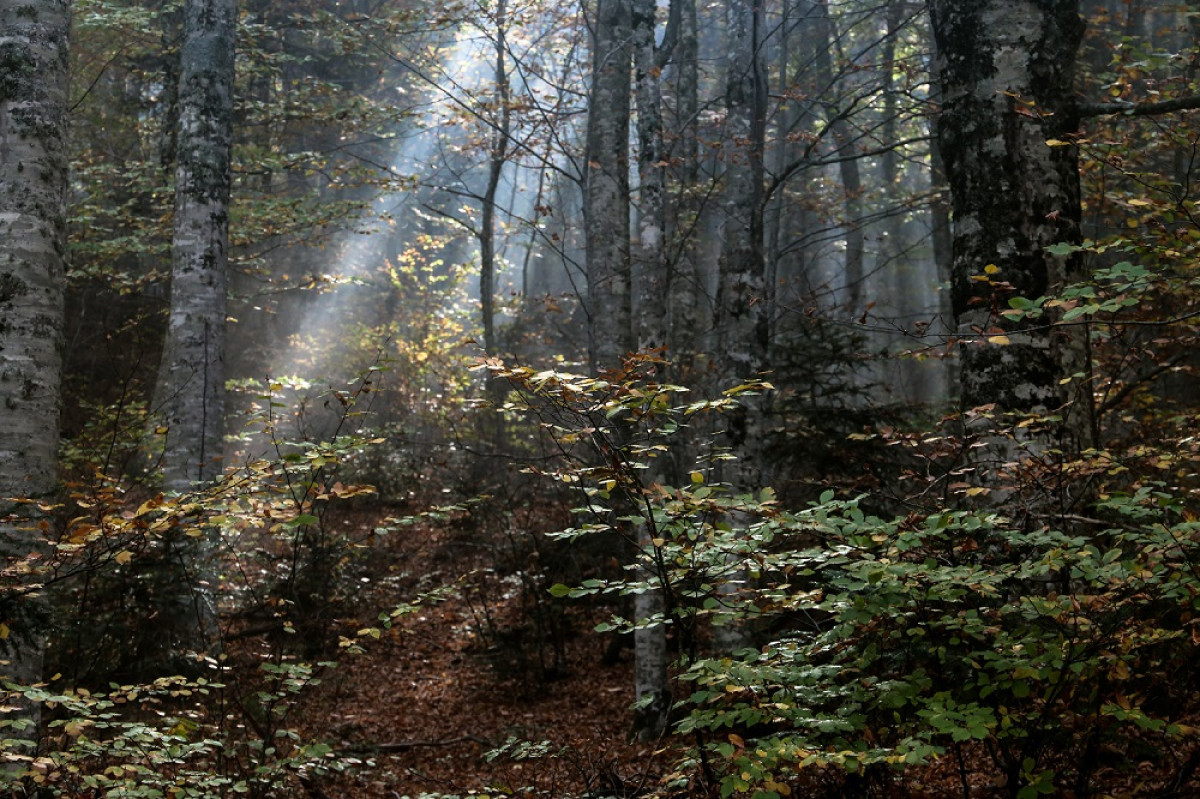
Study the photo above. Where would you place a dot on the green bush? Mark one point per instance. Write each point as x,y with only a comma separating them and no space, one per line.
899,641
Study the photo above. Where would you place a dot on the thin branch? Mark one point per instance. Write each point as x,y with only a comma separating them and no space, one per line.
1089,110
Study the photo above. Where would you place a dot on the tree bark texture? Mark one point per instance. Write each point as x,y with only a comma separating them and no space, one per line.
33,184
650,276
190,393
741,321
497,157
1006,69
741,318
683,279
650,250
606,188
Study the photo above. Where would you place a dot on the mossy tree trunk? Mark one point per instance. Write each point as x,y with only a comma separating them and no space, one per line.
1005,137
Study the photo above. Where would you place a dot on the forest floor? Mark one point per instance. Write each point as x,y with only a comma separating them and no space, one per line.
426,702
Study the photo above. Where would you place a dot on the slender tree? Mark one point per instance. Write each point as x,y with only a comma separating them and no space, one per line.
497,157
33,183
606,188
190,390
650,280
848,167
741,320
683,276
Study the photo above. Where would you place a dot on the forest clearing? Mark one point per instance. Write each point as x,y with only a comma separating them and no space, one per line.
599,398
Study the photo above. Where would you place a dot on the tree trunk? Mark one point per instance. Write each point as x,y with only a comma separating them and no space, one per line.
683,279
650,643
606,187
848,167
33,185
1006,79
496,160
190,394
741,320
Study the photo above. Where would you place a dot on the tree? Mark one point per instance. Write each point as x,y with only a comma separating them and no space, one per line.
650,280
33,186
1005,137
497,156
191,385
741,321
606,188
191,381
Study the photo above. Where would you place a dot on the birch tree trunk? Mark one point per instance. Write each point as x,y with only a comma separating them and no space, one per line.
190,392
1007,69
33,183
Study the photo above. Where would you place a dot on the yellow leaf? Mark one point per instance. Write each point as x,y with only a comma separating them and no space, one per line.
737,741
991,269
1000,341
697,477
1057,143
3,631
123,557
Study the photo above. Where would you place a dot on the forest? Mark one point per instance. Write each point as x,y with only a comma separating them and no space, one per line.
599,398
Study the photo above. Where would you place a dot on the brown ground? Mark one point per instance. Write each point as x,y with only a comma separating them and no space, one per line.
427,701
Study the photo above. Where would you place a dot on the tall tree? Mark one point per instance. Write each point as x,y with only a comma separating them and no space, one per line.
606,188
827,44
33,184
1004,134
190,390
683,277
741,320
497,156
650,280
191,382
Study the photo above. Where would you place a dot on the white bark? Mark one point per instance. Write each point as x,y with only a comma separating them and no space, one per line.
191,392
33,182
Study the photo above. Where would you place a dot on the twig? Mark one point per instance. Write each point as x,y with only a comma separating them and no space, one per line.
404,746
